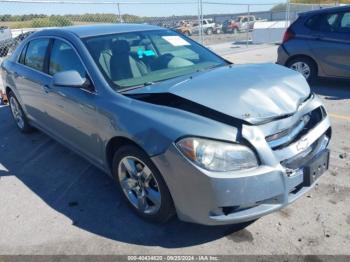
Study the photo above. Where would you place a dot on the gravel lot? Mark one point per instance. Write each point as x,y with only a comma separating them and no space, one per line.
54,202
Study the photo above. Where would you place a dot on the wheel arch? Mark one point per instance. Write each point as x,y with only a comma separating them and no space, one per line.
8,90
117,142
304,56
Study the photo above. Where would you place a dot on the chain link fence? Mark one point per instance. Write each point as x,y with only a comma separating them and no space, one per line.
221,22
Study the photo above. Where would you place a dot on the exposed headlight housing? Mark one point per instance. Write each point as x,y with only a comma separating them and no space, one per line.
217,156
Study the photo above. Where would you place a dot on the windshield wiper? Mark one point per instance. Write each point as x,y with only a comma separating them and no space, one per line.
137,86
209,68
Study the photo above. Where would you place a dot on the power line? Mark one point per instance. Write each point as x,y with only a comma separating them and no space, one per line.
192,2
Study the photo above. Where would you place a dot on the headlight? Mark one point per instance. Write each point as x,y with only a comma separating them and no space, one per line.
217,156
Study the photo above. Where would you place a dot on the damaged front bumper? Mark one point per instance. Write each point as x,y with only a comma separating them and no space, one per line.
217,198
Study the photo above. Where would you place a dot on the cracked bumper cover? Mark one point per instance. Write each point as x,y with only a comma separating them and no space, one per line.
200,195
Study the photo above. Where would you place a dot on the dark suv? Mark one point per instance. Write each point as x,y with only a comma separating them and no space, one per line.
318,44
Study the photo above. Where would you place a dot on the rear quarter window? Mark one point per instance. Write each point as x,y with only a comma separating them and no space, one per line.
313,22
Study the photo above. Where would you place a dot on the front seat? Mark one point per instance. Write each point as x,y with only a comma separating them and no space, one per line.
100,50
122,64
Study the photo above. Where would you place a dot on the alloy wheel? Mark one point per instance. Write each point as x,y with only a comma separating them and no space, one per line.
139,185
302,68
16,112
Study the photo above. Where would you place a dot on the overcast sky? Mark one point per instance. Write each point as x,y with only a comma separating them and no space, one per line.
142,8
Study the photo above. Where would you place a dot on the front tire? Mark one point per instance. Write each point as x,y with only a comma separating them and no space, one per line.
18,114
142,185
305,66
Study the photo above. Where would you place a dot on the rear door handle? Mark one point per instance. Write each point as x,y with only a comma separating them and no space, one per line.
46,89
318,37
16,75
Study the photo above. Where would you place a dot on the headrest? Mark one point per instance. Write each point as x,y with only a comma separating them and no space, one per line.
145,42
120,47
96,47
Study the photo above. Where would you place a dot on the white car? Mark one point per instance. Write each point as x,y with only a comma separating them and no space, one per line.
209,27
5,40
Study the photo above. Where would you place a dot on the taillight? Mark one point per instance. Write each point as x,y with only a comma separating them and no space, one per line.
288,35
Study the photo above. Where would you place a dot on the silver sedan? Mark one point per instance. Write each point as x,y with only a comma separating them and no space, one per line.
180,129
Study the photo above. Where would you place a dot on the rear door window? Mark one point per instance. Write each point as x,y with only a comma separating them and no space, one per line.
329,22
35,54
345,23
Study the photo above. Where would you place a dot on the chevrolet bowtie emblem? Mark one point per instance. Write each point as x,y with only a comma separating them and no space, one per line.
303,144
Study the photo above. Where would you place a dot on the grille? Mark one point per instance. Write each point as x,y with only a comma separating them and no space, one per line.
300,159
294,133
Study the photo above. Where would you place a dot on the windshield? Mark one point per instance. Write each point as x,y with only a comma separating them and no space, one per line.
142,58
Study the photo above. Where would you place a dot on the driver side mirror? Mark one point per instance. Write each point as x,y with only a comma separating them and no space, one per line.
69,79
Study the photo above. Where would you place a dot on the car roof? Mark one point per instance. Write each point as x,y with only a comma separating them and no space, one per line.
327,10
84,31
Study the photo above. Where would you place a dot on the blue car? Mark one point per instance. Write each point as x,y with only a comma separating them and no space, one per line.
317,44
180,129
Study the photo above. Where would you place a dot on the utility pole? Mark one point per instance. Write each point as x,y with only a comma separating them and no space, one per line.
287,13
119,14
248,26
200,20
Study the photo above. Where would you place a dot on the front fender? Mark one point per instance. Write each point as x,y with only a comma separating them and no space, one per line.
156,127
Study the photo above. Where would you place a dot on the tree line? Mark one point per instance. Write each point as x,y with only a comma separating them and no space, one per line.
81,17
41,20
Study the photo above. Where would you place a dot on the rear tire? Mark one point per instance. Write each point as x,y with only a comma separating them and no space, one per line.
142,185
306,66
209,31
18,114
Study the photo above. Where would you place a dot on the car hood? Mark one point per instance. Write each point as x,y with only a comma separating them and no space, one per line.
253,93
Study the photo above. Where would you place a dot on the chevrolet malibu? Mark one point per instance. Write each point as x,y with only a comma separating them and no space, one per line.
180,129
